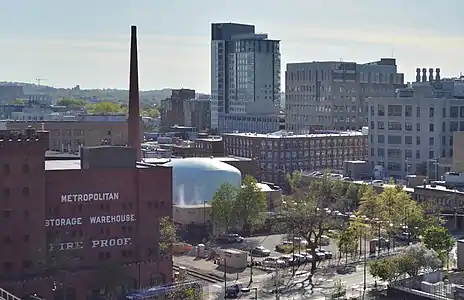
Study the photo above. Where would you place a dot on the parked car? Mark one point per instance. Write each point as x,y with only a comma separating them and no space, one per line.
233,291
260,251
300,241
273,262
282,246
346,269
286,258
298,259
327,253
308,257
229,238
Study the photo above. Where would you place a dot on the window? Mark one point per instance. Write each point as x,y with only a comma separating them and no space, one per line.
431,112
27,264
417,140
394,140
6,169
408,110
395,110
381,139
408,126
431,127
26,169
443,127
408,140
431,154
418,127
381,110
407,153
25,191
418,156
444,112
454,111
431,141
7,266
461,111
418,111
380,125
394,126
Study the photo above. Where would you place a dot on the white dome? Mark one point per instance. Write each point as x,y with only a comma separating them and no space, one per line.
196,180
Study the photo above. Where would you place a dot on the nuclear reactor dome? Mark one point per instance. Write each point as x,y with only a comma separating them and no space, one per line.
195,180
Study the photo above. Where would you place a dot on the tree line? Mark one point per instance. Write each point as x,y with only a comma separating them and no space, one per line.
322,207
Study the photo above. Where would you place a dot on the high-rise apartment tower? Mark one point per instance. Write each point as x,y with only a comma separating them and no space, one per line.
245,79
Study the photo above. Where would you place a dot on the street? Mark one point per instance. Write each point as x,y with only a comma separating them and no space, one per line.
324,282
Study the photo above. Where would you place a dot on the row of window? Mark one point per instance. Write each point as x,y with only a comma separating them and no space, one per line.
396,153
6,169
398,110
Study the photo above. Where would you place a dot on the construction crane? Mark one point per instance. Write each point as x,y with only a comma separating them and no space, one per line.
39,80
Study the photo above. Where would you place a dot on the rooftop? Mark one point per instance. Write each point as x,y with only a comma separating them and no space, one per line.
285,134
153,160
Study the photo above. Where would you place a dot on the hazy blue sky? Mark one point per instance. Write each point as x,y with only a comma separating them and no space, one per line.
86,42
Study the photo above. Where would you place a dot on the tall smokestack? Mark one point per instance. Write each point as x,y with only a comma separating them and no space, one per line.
437,74
431,79
418,75
424,75
134,106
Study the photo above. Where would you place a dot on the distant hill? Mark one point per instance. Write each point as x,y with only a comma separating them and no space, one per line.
150,96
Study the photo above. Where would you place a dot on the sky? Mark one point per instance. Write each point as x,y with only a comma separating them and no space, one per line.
86,43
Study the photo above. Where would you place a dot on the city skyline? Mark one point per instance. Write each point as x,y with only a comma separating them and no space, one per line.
174,40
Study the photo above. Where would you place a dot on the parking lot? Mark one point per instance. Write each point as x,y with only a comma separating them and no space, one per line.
270,242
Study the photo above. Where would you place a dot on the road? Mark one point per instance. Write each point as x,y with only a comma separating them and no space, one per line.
324,282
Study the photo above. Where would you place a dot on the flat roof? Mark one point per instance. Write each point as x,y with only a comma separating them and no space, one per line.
280,135
154,160
439,188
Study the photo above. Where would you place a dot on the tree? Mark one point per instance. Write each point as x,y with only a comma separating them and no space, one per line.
223,206
439,239
151,112
351,195
71,103
385,269
168,235
369,204
250,205
105,108
308,214
348,241
294,181
185,291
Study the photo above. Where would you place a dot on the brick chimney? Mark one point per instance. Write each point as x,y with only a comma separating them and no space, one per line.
134,106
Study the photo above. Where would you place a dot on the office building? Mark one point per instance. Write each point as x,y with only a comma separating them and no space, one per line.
172,108
245,79
197,113
332,95
416,127
283,152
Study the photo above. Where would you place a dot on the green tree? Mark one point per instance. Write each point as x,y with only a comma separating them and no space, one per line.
151,112
294,181
71,103
369,204
348,241
223,206
385,269
19,101
439,239
351,195
168,235
307,214
106,107
250,205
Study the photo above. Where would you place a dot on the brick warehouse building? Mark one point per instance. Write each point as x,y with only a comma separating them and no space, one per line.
71,229
83,215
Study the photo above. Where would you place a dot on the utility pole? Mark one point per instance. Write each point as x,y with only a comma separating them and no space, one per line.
277,284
